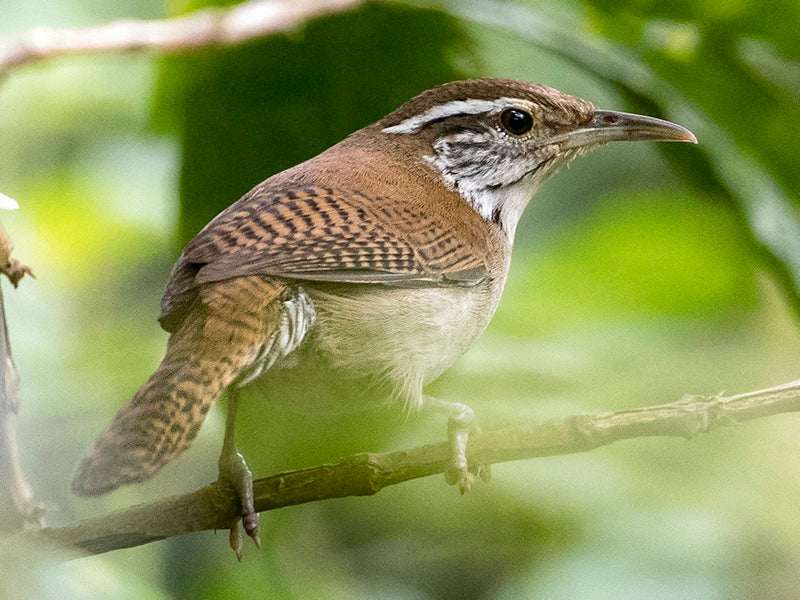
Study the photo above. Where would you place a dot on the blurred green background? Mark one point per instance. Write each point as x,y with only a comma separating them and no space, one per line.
642,273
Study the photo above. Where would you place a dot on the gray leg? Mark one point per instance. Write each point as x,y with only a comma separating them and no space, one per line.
461,422
233,470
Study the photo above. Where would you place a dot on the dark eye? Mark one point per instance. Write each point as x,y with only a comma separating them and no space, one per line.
516,122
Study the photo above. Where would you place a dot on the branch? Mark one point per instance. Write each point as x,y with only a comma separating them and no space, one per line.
216,507
18,507
200,29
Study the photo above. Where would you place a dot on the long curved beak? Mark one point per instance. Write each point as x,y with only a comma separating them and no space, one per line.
613,126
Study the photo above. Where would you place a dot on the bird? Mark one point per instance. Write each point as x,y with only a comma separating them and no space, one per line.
364,271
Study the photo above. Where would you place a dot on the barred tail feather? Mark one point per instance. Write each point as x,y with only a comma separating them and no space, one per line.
220,337
158,423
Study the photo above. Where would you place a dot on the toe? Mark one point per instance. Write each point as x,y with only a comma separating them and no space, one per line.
453,475
250,523
235,540
466,482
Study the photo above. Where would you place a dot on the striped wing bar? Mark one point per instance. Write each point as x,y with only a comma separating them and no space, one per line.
319,234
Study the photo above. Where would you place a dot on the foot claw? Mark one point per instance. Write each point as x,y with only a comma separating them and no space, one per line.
235,473
250,524
461,424
235,540
465,484
452,475
462,477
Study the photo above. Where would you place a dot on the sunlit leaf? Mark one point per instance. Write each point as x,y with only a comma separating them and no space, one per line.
7,203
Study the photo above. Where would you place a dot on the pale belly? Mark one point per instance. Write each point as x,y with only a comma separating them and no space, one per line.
373,344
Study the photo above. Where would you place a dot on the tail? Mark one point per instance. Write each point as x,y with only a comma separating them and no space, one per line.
220,337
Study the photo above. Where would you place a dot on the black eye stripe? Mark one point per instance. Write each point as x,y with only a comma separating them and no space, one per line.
458,128
516,121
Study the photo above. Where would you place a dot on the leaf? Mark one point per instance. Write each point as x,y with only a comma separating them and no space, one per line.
7,203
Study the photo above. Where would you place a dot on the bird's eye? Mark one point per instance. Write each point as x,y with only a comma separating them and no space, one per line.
516,121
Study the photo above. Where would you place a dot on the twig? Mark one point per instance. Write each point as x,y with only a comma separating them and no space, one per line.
215,507
202,28
18,507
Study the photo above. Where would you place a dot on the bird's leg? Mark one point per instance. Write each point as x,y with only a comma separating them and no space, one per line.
233,470
461,422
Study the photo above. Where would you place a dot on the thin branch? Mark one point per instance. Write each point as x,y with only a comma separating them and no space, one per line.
216,507
200,29
18,508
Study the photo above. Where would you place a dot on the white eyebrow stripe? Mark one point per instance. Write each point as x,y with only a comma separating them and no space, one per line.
450,109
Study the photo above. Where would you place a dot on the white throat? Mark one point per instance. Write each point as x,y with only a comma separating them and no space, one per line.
495,174
503,205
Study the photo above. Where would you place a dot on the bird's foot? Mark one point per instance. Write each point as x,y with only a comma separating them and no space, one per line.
461,423
234,472
464,477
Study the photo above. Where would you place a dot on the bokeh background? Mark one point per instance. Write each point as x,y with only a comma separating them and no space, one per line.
641,273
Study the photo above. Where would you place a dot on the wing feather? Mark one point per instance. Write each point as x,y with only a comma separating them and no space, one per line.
320,234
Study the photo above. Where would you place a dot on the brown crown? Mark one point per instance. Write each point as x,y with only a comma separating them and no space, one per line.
490,89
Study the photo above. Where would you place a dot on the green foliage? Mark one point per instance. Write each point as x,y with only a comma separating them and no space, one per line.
742,48
633,257
245,113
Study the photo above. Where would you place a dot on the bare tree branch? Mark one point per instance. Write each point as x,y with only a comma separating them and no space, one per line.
202,28
18,507
216,507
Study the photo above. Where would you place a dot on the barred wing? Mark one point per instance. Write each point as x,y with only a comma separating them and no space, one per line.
320,234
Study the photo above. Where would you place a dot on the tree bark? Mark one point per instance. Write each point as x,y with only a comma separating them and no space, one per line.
216,507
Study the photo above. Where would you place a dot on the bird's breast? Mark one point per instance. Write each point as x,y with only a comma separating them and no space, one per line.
404,337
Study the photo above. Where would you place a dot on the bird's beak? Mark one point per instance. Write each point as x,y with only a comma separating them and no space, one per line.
613,126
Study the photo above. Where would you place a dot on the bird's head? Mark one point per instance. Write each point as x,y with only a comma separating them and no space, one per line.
495,140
